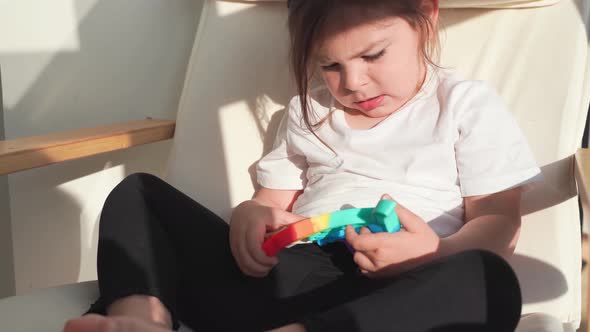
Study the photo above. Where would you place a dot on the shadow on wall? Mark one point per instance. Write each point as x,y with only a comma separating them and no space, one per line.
130,64
58,208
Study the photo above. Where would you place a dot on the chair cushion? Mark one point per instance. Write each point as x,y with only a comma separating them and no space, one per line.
47,309
238,85
541,322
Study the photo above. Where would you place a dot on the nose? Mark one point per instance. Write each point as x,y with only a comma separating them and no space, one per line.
354,78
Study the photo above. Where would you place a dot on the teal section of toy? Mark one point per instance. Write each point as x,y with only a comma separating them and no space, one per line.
385,215
381,218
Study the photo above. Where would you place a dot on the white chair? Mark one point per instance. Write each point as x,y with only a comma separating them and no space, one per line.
237,85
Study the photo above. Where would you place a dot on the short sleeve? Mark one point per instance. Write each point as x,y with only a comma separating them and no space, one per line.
283,167
491,151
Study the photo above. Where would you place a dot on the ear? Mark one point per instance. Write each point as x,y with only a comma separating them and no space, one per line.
432,8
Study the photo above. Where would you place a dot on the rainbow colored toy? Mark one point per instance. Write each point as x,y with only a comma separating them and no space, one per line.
330,227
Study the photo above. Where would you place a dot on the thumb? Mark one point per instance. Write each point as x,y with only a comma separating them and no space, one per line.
411,222
283,218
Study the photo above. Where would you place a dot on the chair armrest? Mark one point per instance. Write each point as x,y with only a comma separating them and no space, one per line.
36,151
582,174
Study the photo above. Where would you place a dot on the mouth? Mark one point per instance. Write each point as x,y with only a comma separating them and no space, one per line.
371,103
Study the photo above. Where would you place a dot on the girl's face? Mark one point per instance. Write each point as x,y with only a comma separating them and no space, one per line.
373,67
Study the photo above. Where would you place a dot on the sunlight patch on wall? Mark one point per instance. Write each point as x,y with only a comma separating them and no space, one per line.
242,132
32,26
229,8
90,213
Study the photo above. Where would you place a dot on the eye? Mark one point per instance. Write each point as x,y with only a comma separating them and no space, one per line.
330,67
374,57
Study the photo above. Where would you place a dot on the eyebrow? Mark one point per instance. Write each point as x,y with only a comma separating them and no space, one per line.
367,49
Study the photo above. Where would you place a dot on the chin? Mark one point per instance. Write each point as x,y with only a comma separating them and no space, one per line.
379,115
379,112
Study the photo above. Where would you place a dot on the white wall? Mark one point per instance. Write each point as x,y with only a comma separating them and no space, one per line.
70,64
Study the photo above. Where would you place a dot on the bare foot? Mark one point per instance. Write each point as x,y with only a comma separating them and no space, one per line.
290,328
146,308
97,323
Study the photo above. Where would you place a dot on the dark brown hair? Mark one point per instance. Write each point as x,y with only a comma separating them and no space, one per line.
307,19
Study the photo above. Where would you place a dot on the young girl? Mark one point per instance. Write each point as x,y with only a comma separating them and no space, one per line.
387,123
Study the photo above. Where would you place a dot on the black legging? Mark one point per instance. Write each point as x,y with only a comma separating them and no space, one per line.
154,240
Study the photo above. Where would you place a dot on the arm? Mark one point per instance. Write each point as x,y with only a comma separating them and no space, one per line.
280,199
492,223
496,214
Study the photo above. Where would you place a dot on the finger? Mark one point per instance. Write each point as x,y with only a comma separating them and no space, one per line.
241,258
365,230
386,196
281,218
89,322
362,242
255,272
364,262
245,261
410,221
260,256
254,246
234,245
350,234
250,267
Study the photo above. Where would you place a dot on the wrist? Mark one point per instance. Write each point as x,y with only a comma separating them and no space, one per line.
242,208
445,248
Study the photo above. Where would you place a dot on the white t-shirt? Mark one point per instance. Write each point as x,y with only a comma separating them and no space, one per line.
454,139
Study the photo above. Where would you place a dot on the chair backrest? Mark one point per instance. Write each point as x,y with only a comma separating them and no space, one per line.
537,58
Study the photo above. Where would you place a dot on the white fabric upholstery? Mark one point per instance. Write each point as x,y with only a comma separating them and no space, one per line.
46,310
54,306
237,85
539,322
238,80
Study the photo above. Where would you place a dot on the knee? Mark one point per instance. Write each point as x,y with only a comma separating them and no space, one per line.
132,191
489,260
137,181
493,267
131,185
502,289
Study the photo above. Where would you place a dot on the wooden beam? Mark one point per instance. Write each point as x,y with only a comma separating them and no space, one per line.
36,151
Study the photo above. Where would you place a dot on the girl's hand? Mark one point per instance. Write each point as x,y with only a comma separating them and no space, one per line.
249,224
387,254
